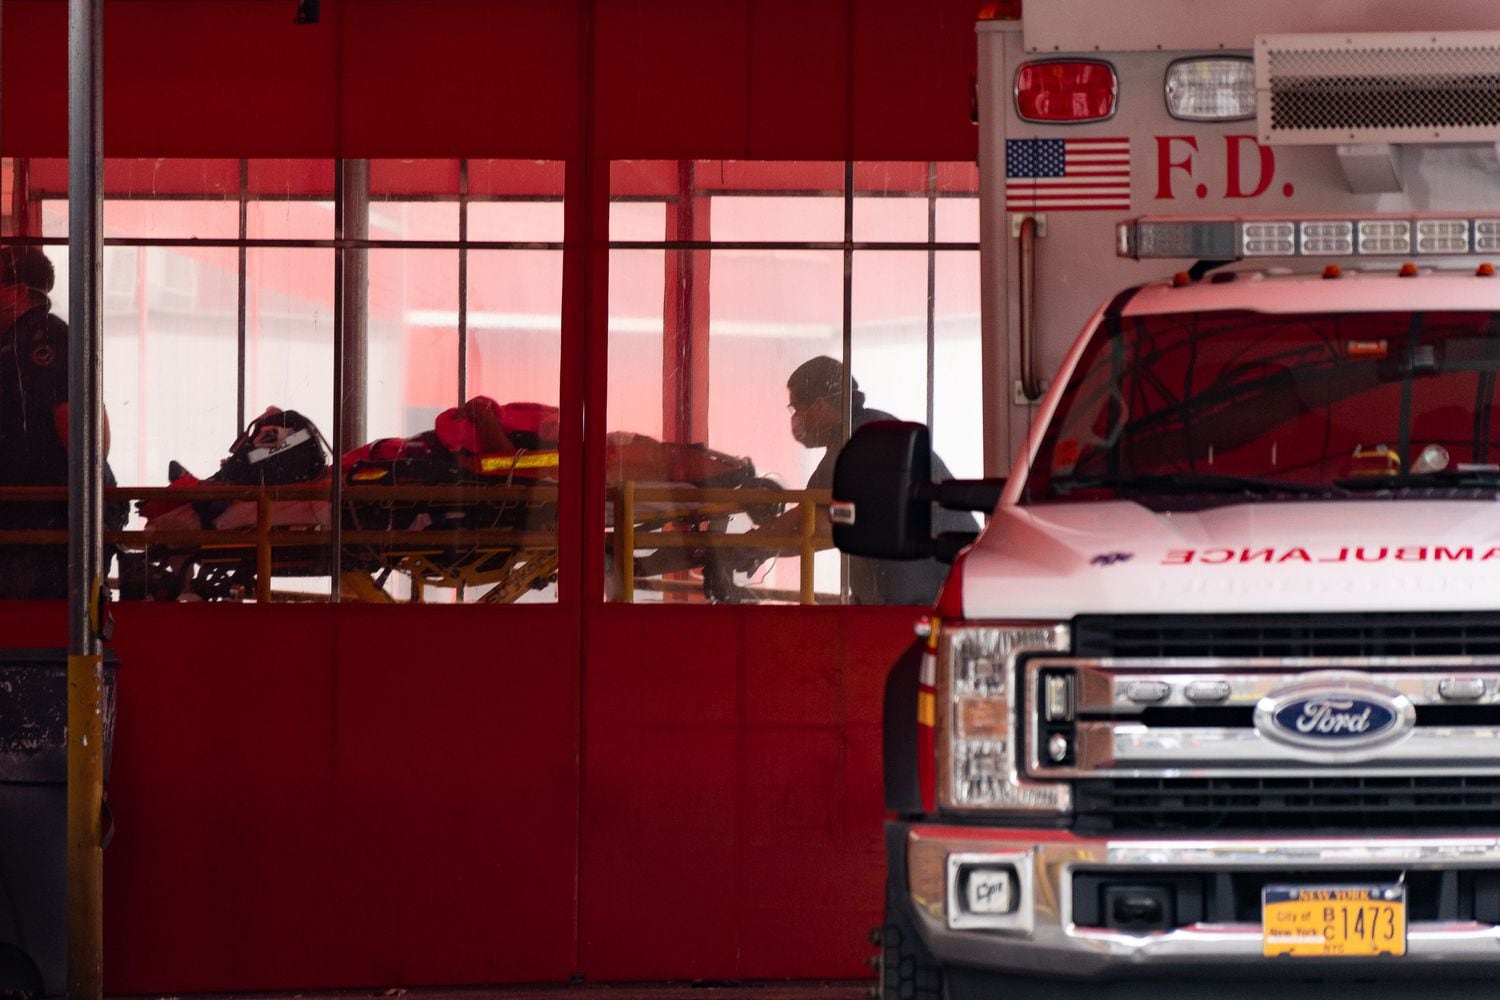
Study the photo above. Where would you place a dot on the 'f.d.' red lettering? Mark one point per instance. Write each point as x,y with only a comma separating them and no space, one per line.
1165,164
1233,188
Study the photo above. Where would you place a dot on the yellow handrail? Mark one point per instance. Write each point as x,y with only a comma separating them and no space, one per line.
641,512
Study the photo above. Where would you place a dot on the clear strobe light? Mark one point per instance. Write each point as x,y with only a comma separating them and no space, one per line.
1219,238
1327,237
1385,236
1269,239
1443,236
1216,89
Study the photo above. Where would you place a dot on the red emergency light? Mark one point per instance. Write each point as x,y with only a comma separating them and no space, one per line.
1066,90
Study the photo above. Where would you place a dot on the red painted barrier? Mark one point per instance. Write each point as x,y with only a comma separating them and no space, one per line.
732,791
316,796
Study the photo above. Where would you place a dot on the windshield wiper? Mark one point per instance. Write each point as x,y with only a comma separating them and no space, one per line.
1188,483
1442,479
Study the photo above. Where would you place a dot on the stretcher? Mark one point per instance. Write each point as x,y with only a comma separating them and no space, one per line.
470,507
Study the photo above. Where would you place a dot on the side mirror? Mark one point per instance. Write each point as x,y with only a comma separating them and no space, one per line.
882,500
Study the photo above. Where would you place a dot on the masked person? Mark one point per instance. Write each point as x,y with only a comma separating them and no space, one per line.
815,401
34,425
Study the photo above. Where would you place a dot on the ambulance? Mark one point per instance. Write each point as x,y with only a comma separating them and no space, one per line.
1211,707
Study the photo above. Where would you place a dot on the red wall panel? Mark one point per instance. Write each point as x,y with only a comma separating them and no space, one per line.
666,69
311,796
768,79
474,78
732,793
457,792
799,79
34,63
308,797
223,791
913,64
199,78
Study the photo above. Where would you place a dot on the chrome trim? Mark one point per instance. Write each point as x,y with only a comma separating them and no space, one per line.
1104,681
1122,747
1020,919
1055,943
1130,750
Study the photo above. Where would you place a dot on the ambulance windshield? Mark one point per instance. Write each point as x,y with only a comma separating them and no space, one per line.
1216,407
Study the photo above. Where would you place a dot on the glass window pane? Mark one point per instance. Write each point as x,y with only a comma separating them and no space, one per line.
148,219
289,220
958,220
515,325
811,218
957,411
890,219
170,349
175,369
413,220
698,400
890,201
289,365
289,331
890,331
637,220
412,292
516,221
636,282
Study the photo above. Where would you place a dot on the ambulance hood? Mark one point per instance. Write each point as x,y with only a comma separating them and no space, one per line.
1055,561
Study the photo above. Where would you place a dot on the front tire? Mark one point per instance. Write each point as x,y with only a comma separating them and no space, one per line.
907,969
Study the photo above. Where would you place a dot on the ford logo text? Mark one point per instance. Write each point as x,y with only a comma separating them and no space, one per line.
1335,716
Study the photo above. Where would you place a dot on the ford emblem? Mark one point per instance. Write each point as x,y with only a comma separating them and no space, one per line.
1335,716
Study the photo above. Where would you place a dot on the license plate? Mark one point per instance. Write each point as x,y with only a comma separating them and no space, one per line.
1321,921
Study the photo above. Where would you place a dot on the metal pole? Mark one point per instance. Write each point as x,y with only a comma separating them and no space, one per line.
356,337
85,507
351,346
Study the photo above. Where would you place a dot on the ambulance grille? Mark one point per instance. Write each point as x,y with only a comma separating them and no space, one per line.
1434,87
1344,803
1288,635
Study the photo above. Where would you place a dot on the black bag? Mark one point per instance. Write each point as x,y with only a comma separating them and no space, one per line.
279,446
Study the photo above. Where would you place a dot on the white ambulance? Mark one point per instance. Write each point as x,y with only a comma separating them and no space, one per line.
1212,706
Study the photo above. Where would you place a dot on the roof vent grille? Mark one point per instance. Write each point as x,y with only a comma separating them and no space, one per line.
1430,87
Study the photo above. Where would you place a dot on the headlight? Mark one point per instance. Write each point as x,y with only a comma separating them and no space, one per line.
979,726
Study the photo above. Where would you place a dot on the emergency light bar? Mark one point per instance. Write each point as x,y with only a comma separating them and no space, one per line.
1236,239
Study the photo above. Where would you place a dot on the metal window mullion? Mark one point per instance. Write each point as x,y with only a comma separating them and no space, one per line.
337,490
848,344
463,281
931,290
242,333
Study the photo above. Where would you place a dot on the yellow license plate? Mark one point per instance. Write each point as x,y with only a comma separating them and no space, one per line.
1324,921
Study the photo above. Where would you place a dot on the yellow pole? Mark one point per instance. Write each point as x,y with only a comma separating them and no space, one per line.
263,548
617,543
85,837
626,531
809,528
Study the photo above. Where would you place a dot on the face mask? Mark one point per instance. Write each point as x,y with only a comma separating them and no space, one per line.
799,429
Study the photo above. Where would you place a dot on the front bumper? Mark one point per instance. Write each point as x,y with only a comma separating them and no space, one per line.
1041,938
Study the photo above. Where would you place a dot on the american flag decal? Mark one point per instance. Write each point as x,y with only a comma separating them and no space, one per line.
1067,174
